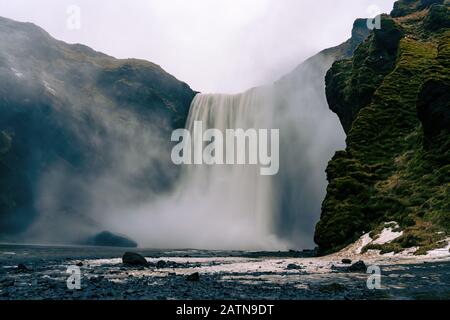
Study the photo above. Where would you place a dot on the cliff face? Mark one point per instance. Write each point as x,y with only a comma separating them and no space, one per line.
68,107
392,98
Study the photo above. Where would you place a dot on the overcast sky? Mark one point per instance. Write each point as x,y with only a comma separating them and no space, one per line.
213,45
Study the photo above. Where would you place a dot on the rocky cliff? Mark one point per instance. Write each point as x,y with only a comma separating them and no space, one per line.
72,117
392,98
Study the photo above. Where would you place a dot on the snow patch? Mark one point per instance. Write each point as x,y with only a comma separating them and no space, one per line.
440,253
388,234
364,241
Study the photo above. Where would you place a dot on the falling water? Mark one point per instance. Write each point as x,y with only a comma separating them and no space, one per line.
237,194
233,206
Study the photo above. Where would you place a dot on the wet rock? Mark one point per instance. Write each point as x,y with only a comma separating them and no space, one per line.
22,268
79,264
293,266
195,277
346,261
359,266
108,239
161,264
134,259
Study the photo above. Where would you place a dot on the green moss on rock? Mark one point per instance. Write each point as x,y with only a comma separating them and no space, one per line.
392,99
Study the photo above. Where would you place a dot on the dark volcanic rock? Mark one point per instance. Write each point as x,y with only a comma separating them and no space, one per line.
359,266
293,266
23,268
193,277
346,261
108,239
134,259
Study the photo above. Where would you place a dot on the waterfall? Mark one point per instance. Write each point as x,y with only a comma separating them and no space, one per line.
234,206
239,199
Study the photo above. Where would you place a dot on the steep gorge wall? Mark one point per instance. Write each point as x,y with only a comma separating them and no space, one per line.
73,119
392,98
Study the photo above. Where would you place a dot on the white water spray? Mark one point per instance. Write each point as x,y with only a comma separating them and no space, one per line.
238,193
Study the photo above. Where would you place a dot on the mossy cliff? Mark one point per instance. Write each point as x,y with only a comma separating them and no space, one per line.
393,100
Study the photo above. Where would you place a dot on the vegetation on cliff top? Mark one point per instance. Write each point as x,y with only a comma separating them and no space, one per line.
393,100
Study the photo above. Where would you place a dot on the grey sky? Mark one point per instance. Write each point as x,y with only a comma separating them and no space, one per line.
213,45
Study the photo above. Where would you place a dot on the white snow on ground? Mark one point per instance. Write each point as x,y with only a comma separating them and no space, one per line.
231,265
276,267
388,234
440,253
354,250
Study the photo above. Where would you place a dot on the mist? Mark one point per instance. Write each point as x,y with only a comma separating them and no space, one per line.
218,207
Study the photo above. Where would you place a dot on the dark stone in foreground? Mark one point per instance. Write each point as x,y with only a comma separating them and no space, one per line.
113,281
23,268
293,266
346,261
359,266
134,259
108,239
195,277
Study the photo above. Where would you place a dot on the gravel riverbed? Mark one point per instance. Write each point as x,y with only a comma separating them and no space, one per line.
40,272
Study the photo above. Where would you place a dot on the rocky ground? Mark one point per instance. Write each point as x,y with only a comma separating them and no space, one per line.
37,272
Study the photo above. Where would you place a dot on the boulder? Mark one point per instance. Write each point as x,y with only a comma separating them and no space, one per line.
134,259
195,277
346,261
293,266
108,239
359,266
23,268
